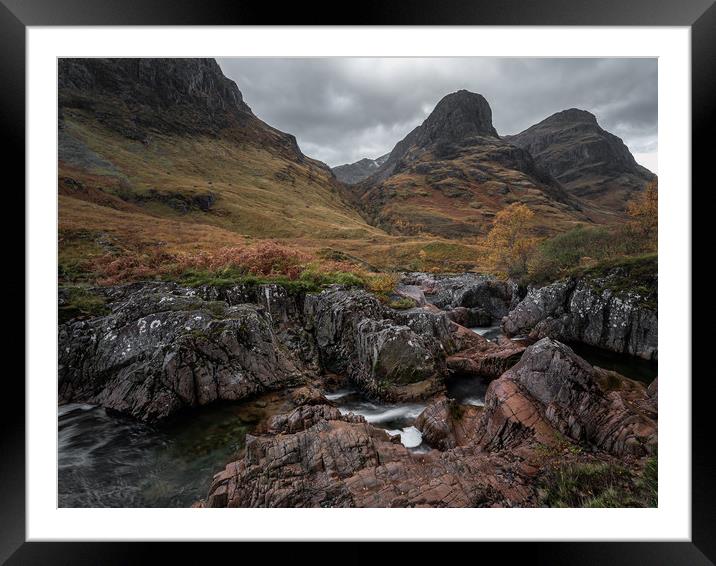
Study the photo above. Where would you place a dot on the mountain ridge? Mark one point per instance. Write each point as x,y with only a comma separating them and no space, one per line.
154,152
453,173
352,173
590,162
173,139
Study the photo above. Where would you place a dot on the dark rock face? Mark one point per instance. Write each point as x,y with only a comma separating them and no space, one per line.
138,97
469,298
491,456
377,349
352,173
553,389
590,162
457,116
165,82
179,93
166,349
585,310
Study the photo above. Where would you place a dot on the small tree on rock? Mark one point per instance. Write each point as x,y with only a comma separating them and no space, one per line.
644,213
510,242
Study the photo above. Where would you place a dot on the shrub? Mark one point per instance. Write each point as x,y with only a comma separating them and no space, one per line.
586,248
381,283
329,274
644,214
402,303
554,256
262,259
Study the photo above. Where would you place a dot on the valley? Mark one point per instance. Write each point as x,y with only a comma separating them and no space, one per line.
465,320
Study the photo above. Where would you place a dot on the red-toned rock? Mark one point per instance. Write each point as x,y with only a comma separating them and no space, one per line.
446,424
316,457
537,416
553,390
485,358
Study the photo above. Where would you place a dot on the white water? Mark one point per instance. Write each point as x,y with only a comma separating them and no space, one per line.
492,333
335,395
410,437
382,414
396,419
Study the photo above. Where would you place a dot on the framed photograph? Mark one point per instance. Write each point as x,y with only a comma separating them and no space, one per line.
408,278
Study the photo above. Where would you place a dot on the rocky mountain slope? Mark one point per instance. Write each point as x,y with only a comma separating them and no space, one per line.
352,173
171,142
588,161
452,173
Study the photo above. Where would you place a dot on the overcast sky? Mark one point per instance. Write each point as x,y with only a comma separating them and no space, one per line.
344,109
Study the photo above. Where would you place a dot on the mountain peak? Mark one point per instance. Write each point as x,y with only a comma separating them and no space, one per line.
571,115
352,173
590,162
174,94
457,116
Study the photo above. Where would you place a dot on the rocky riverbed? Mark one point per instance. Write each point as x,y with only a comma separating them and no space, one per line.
335,399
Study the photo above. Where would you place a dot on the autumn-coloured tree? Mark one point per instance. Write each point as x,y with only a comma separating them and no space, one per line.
510,242
644,213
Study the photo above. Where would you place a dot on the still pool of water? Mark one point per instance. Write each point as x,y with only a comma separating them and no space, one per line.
467,390
629,366
110,461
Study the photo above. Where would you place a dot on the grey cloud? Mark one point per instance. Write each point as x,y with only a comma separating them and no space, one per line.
344,109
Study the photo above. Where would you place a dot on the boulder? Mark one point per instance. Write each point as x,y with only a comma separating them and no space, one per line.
469,317
589,311
384,353
162,349
486,298
551,392
411,292
486,359
446,424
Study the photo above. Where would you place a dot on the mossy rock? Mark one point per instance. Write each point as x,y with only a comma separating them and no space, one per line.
80,302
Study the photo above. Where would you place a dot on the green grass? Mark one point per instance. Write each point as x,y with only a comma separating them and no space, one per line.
81,302
649,481
307,282
76,250
591,251
598,484
635,274
402,303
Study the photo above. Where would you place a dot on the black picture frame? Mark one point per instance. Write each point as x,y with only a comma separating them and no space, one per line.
16,15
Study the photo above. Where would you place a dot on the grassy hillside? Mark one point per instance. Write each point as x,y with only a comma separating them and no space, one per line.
239,187
184,194
458,195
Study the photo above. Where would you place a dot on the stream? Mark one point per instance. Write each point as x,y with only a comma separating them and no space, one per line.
106,460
